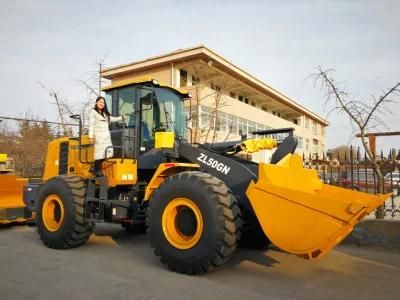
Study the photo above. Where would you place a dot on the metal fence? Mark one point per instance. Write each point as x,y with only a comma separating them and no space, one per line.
353,170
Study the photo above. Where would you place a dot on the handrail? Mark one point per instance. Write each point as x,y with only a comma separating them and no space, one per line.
86,146
78,117
118,147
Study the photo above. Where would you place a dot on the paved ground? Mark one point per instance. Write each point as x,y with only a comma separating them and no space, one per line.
117,265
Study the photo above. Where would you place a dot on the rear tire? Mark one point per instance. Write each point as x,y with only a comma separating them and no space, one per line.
60,213
193,222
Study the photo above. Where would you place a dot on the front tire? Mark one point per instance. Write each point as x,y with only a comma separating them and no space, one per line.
193,222
60,213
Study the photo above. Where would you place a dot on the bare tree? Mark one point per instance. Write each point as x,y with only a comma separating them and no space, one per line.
64,108
93,85
218,101
214,88
363,115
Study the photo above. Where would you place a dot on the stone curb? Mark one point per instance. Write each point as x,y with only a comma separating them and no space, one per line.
376,233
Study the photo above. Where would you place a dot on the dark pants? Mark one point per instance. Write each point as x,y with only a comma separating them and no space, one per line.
97,165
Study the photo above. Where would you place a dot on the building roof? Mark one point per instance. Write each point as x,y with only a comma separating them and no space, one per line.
202,52
141,80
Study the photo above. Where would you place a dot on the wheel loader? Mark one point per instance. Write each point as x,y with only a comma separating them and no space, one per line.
12,208
197,201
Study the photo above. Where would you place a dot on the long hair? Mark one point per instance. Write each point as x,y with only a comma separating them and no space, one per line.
104,112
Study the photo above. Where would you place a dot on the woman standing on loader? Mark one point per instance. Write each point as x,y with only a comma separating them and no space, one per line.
99,133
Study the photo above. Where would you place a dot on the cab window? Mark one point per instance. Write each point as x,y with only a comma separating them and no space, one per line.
109,102
126,104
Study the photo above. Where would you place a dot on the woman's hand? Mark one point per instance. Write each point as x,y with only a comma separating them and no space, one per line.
125,118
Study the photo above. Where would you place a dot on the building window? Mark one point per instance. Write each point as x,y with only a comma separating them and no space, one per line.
261,127
314,128
204,119
264,108
232,124
253,103
233,95
242,126
306,126
295,121
322,130
240,98
307,144
222,122
217,124
315,146
193,118
299,142
183,77
251,127
246,100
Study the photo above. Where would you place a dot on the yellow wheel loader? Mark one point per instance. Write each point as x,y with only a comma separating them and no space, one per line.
12,208
198,201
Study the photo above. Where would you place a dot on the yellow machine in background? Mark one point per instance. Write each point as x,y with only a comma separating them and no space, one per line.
12,207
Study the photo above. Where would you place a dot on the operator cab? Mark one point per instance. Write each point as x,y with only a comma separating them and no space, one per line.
148,108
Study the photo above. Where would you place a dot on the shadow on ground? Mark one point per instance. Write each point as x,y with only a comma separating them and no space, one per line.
139,244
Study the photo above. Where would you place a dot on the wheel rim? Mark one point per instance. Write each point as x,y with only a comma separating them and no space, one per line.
182,223
53,213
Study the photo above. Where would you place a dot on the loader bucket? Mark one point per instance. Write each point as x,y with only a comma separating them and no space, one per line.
11,198
300,214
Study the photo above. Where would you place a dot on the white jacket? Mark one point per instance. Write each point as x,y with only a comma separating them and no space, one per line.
98,129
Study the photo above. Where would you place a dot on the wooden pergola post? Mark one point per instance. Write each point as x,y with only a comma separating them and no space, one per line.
372,144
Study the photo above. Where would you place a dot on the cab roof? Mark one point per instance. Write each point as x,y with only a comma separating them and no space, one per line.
142,80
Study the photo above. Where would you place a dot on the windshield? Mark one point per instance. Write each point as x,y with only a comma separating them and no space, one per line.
171,113
126,100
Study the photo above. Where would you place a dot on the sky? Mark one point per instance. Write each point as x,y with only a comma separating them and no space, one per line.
279,42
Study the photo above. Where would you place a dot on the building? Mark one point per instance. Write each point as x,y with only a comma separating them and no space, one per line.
227,101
